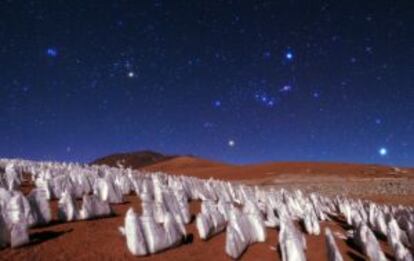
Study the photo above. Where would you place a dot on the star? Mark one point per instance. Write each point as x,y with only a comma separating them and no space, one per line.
217,103
265,100
231,143
286,88
289,55
131,74
383,152
270,103
52,52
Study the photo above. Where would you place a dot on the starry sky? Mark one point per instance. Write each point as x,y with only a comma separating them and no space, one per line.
235,81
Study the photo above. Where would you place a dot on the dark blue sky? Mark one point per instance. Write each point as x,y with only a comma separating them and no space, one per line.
237,81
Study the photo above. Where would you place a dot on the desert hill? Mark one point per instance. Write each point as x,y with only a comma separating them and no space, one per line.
371,181
133,160
194,166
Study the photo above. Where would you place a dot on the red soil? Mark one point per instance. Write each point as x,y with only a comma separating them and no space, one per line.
193,166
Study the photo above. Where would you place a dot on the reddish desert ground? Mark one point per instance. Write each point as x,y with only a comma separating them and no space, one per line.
383,184
100,240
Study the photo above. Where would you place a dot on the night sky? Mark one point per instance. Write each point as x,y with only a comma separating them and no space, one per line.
236,81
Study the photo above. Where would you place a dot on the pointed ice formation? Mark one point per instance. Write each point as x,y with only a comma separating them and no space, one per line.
271,219
17,210
173,231
292,242
62,184
243,230
66,207
345,209
225,209
210,221
15,218
134,234
333,253
106,190
125,184
157,210
376,219
159,237
256,220
154,234
396,237
180,210
12,178
93,207
19,235
320,207
45,185
311,221
366,240
39,205
401,253
410,232
236,244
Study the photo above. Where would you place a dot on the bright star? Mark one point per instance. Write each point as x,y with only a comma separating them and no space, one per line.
289,55
383,152
52,52
131,74
231,143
